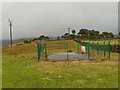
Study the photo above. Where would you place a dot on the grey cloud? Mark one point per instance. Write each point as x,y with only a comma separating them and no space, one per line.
52,19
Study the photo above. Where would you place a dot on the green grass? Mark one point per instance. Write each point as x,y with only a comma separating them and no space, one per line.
20,71
0,73
0,68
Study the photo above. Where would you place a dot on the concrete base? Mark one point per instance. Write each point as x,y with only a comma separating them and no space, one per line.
71,56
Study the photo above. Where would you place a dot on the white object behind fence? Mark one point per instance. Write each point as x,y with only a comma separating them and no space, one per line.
83,49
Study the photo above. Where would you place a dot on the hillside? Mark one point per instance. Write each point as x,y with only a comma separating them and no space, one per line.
22,70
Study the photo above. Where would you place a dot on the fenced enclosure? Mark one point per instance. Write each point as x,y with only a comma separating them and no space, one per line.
62,48
93,49
72,50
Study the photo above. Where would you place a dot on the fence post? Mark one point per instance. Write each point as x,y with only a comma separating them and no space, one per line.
88,50
104,49
38,50
109,48
45,51
67,51
86,47
97,48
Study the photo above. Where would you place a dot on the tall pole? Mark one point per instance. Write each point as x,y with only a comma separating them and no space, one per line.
69,30
10,25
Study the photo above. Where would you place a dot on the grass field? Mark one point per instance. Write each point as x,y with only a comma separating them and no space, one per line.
21,70
0,68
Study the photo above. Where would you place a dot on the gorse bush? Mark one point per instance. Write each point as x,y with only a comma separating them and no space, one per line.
27,41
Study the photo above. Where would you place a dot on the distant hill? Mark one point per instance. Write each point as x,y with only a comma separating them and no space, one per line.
7,42
52,38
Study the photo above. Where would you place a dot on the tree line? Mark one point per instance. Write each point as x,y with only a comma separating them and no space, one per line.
42,37
88,34
82,34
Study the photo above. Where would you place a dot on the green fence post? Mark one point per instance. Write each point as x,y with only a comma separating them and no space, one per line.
38,49
109,48
104,49
89,42
45,52
97,48
67,51
88,50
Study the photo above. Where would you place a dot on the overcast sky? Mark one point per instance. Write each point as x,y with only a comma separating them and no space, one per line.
52,19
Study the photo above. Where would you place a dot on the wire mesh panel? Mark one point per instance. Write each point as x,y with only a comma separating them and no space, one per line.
107,49
101,49
56,47
93,48
68,48
40,50
96,48
61,49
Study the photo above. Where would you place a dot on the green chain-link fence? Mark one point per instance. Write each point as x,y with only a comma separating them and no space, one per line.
91,48
41,51
46,49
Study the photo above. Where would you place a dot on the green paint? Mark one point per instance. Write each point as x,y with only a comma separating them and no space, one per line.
38,49
37,43
88,50
86,47
45,51
109,48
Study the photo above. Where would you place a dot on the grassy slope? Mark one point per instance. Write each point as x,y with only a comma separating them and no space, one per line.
20,71
0,69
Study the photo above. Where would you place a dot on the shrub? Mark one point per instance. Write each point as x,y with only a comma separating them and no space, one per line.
69,50
27,41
